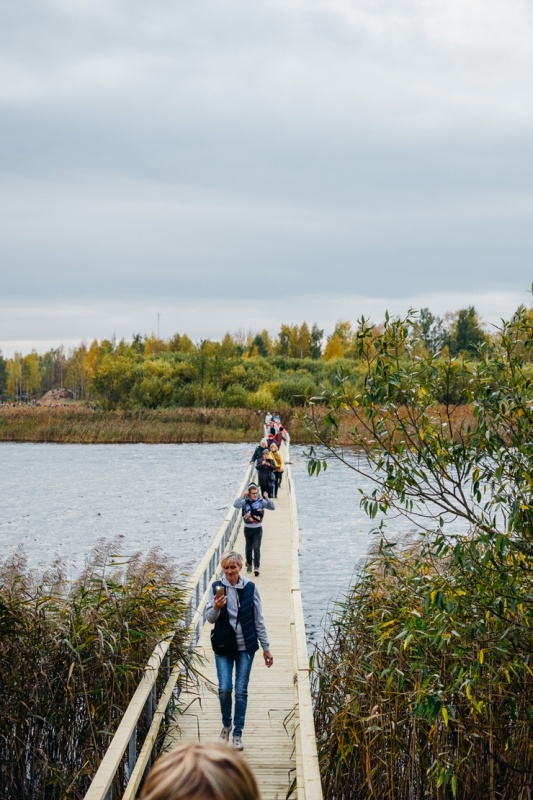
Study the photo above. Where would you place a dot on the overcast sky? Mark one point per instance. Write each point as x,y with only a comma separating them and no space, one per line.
242,163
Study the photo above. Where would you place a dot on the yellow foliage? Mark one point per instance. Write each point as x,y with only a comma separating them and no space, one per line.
334,348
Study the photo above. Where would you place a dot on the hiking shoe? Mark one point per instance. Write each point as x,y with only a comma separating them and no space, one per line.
237,743
224,735
256,573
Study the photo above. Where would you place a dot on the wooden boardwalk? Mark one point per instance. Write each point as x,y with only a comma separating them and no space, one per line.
273,709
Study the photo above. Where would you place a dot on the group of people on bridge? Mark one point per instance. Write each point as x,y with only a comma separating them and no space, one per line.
235,600
211,772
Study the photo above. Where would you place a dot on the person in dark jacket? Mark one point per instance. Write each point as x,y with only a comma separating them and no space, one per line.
241,607
265,473
258,452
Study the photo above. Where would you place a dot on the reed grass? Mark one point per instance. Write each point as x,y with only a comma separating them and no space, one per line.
70,658
81,424
422,690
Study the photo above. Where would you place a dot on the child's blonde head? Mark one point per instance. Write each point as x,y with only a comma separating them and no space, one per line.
193,771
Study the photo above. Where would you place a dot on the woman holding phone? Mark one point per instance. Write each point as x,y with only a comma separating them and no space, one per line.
235,600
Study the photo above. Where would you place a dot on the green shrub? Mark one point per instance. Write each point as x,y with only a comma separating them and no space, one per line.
294,388
235,396
261,399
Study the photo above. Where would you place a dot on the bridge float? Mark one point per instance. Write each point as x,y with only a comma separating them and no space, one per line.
279,735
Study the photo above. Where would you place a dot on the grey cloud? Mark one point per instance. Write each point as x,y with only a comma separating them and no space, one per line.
382,148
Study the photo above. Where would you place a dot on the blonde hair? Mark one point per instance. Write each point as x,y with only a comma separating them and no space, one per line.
231,557
193,771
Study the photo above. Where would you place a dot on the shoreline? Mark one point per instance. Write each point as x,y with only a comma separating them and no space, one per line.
74,423
78,423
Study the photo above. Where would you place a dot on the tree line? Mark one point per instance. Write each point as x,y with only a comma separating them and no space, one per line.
253,370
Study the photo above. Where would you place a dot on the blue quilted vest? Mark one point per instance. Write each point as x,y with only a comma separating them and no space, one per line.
246,615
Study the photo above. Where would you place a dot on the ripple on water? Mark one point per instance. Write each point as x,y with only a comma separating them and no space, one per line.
58,500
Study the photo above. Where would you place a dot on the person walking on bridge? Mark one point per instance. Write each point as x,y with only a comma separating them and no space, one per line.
258,452
253,509
278,467
265,473
235,601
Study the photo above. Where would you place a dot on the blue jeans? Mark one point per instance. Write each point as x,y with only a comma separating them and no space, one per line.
243,665
252,537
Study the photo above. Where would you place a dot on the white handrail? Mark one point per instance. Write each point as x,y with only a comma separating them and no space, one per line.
308,783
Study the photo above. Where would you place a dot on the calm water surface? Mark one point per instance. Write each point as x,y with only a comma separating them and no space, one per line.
59,500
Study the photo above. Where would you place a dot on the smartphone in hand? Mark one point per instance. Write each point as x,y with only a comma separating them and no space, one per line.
220,591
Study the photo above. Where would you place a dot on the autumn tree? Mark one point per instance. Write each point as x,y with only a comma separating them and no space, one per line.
3,375
113,379
31,374
300,341
284,335
334,348
228,346
261,344
346,335
181,344
152,345
77,373
14,376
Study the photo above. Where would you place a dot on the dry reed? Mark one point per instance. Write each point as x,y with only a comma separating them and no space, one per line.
422,692
70,659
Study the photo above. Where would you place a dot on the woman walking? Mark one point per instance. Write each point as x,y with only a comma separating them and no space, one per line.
265,472
238,604
278,467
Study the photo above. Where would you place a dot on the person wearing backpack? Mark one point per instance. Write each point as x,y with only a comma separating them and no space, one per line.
253,509
265,473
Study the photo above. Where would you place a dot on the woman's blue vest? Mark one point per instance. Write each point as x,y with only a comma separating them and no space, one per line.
246,615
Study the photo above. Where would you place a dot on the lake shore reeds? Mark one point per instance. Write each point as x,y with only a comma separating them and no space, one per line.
81,424
78,424
422,690
71,656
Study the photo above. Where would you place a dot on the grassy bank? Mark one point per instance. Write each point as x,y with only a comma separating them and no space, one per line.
80,424
76,424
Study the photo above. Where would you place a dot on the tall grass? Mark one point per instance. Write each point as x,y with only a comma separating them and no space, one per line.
79,424
70,658
423,691
83,425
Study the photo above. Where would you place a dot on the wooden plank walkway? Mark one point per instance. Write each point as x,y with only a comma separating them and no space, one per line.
270,719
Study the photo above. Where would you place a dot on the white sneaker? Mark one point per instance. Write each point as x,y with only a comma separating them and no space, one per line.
237,743
224,735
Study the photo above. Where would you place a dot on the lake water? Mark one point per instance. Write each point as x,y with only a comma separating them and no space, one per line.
59,500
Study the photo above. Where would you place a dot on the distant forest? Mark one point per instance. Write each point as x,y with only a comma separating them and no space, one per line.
251,370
